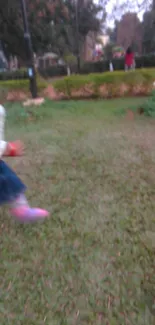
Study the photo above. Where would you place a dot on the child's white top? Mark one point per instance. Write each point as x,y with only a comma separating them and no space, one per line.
3,144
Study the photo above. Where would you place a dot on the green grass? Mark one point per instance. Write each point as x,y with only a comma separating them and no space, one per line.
92,262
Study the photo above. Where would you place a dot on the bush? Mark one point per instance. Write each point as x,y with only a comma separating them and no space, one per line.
22,74
109,84
149,106
53,71
17,90
93,67
14,75
3,93
21,84
145,61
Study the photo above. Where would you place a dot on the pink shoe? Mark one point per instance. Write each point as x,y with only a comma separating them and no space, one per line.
27,214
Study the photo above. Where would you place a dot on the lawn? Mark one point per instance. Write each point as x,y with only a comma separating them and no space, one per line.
92,261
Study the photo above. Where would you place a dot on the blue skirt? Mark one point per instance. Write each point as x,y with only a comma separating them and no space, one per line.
10,185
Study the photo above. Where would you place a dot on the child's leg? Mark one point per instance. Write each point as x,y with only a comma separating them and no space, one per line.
20,201
12,192
21,210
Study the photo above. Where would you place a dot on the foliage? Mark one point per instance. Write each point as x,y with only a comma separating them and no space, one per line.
149,106
53,71
144,61
112,32
3,93
148,32
11,25
108,51
129,31
134,82
70,60
21,84
53,25
13,75
68,36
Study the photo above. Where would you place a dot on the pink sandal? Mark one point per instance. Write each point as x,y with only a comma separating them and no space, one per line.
27,214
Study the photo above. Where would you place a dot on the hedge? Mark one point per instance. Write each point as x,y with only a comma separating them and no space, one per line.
14,75
101,85
53,71
21,84
112,84
145,61
22,74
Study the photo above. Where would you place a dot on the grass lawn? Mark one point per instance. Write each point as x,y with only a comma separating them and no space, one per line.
92,262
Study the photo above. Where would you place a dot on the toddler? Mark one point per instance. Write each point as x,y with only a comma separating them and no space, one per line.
11,187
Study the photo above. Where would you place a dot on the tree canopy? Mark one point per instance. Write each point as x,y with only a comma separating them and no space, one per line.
129,29
53,24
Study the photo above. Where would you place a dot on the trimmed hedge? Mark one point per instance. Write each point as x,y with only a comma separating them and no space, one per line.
14,75
53,71
117,83
22,74
145,61
101,85
21,84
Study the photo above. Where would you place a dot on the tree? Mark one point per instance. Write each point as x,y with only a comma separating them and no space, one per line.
148,43
112,32
53,24
129,31
83,18
40,14
148,28
148,22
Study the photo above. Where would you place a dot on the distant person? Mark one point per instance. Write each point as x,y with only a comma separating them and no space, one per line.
129,60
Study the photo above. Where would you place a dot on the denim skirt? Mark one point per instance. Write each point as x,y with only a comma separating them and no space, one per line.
10,185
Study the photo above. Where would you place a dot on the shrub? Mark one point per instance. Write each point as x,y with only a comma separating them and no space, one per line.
149,106
108,84
22,74
53,71
21,84
3,93
145,61
14,75
17,90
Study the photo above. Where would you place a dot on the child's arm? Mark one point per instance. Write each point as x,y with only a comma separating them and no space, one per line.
3,144
10,149
13,149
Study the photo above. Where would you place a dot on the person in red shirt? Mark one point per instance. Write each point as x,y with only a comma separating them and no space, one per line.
129,59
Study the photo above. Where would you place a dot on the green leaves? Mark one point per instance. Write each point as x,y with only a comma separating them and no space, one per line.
149,106
112,81
52,25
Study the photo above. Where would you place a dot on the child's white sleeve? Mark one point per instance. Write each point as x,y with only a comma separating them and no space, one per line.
3,144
